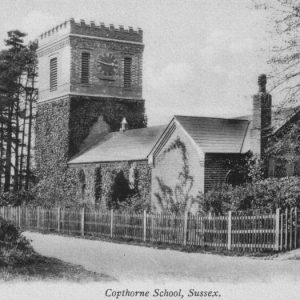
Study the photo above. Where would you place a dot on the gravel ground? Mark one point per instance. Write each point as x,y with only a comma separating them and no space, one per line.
130,262
139,268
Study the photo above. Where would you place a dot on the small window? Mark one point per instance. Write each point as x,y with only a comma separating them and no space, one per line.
132,178
53,74
85,67
127,72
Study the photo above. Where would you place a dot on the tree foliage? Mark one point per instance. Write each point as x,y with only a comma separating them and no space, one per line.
284,28
284,25
18,73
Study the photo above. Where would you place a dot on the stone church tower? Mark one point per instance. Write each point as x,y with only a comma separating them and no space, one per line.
89,77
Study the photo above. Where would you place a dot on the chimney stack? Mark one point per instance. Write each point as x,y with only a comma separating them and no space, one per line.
261,118
124,125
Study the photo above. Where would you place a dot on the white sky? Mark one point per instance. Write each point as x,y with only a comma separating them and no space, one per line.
202,57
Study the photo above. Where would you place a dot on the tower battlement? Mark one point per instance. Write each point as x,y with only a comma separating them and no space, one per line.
82,28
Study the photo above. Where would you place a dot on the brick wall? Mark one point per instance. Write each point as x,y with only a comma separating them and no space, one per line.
261,122
217,167
99,84
110,31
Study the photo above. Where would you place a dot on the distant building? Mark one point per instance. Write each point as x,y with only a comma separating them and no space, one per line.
91,123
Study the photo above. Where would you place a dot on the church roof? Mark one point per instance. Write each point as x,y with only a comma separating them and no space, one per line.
134,144
215,135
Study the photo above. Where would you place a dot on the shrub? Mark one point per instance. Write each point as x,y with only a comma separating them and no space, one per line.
16,198
270,193
14,248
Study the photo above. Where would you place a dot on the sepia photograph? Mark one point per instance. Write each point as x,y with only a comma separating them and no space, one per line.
149,149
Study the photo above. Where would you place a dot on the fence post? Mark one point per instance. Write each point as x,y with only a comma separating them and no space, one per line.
296,225
229,230
281,231
82,222
38,218
286,229
291,229
186,215
26,217
152,229
111,222
277,231
58,219
20,214
145,225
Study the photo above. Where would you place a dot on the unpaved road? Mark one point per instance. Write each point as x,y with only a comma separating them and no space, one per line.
131,262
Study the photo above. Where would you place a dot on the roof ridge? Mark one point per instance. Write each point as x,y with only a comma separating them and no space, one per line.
203,117
136,129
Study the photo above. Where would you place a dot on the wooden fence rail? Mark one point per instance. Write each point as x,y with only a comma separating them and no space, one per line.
237,231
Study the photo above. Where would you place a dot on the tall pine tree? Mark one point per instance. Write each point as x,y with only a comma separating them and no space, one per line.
18,73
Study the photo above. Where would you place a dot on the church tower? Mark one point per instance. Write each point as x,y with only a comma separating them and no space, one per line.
89,76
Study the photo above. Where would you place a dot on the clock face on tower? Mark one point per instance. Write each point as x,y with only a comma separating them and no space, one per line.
107,65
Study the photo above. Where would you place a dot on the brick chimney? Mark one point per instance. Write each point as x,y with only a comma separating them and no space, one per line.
261,118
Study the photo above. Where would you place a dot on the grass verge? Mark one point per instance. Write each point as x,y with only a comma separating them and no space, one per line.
49,269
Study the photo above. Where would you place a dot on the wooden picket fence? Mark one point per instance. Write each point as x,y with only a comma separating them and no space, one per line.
239,231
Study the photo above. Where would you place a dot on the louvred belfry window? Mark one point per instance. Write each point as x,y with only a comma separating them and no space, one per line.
85,67
53,74
127,72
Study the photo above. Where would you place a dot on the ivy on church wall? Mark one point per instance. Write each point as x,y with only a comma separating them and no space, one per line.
108,176
52,136
61,127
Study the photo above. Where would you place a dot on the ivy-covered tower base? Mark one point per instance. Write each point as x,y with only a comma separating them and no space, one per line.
90,77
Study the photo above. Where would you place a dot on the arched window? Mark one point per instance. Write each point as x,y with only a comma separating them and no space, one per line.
119,191
81,177
98,185
234,177
132,177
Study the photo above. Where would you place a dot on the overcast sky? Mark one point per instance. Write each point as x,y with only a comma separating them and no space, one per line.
202,57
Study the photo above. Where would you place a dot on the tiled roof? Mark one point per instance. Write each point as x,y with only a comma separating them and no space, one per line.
280,116
132,144
215,135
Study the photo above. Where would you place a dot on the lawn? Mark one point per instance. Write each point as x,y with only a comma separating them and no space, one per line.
49,269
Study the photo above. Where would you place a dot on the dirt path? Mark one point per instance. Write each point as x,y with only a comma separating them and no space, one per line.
130,262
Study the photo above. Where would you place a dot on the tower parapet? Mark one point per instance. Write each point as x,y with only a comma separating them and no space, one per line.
91,29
